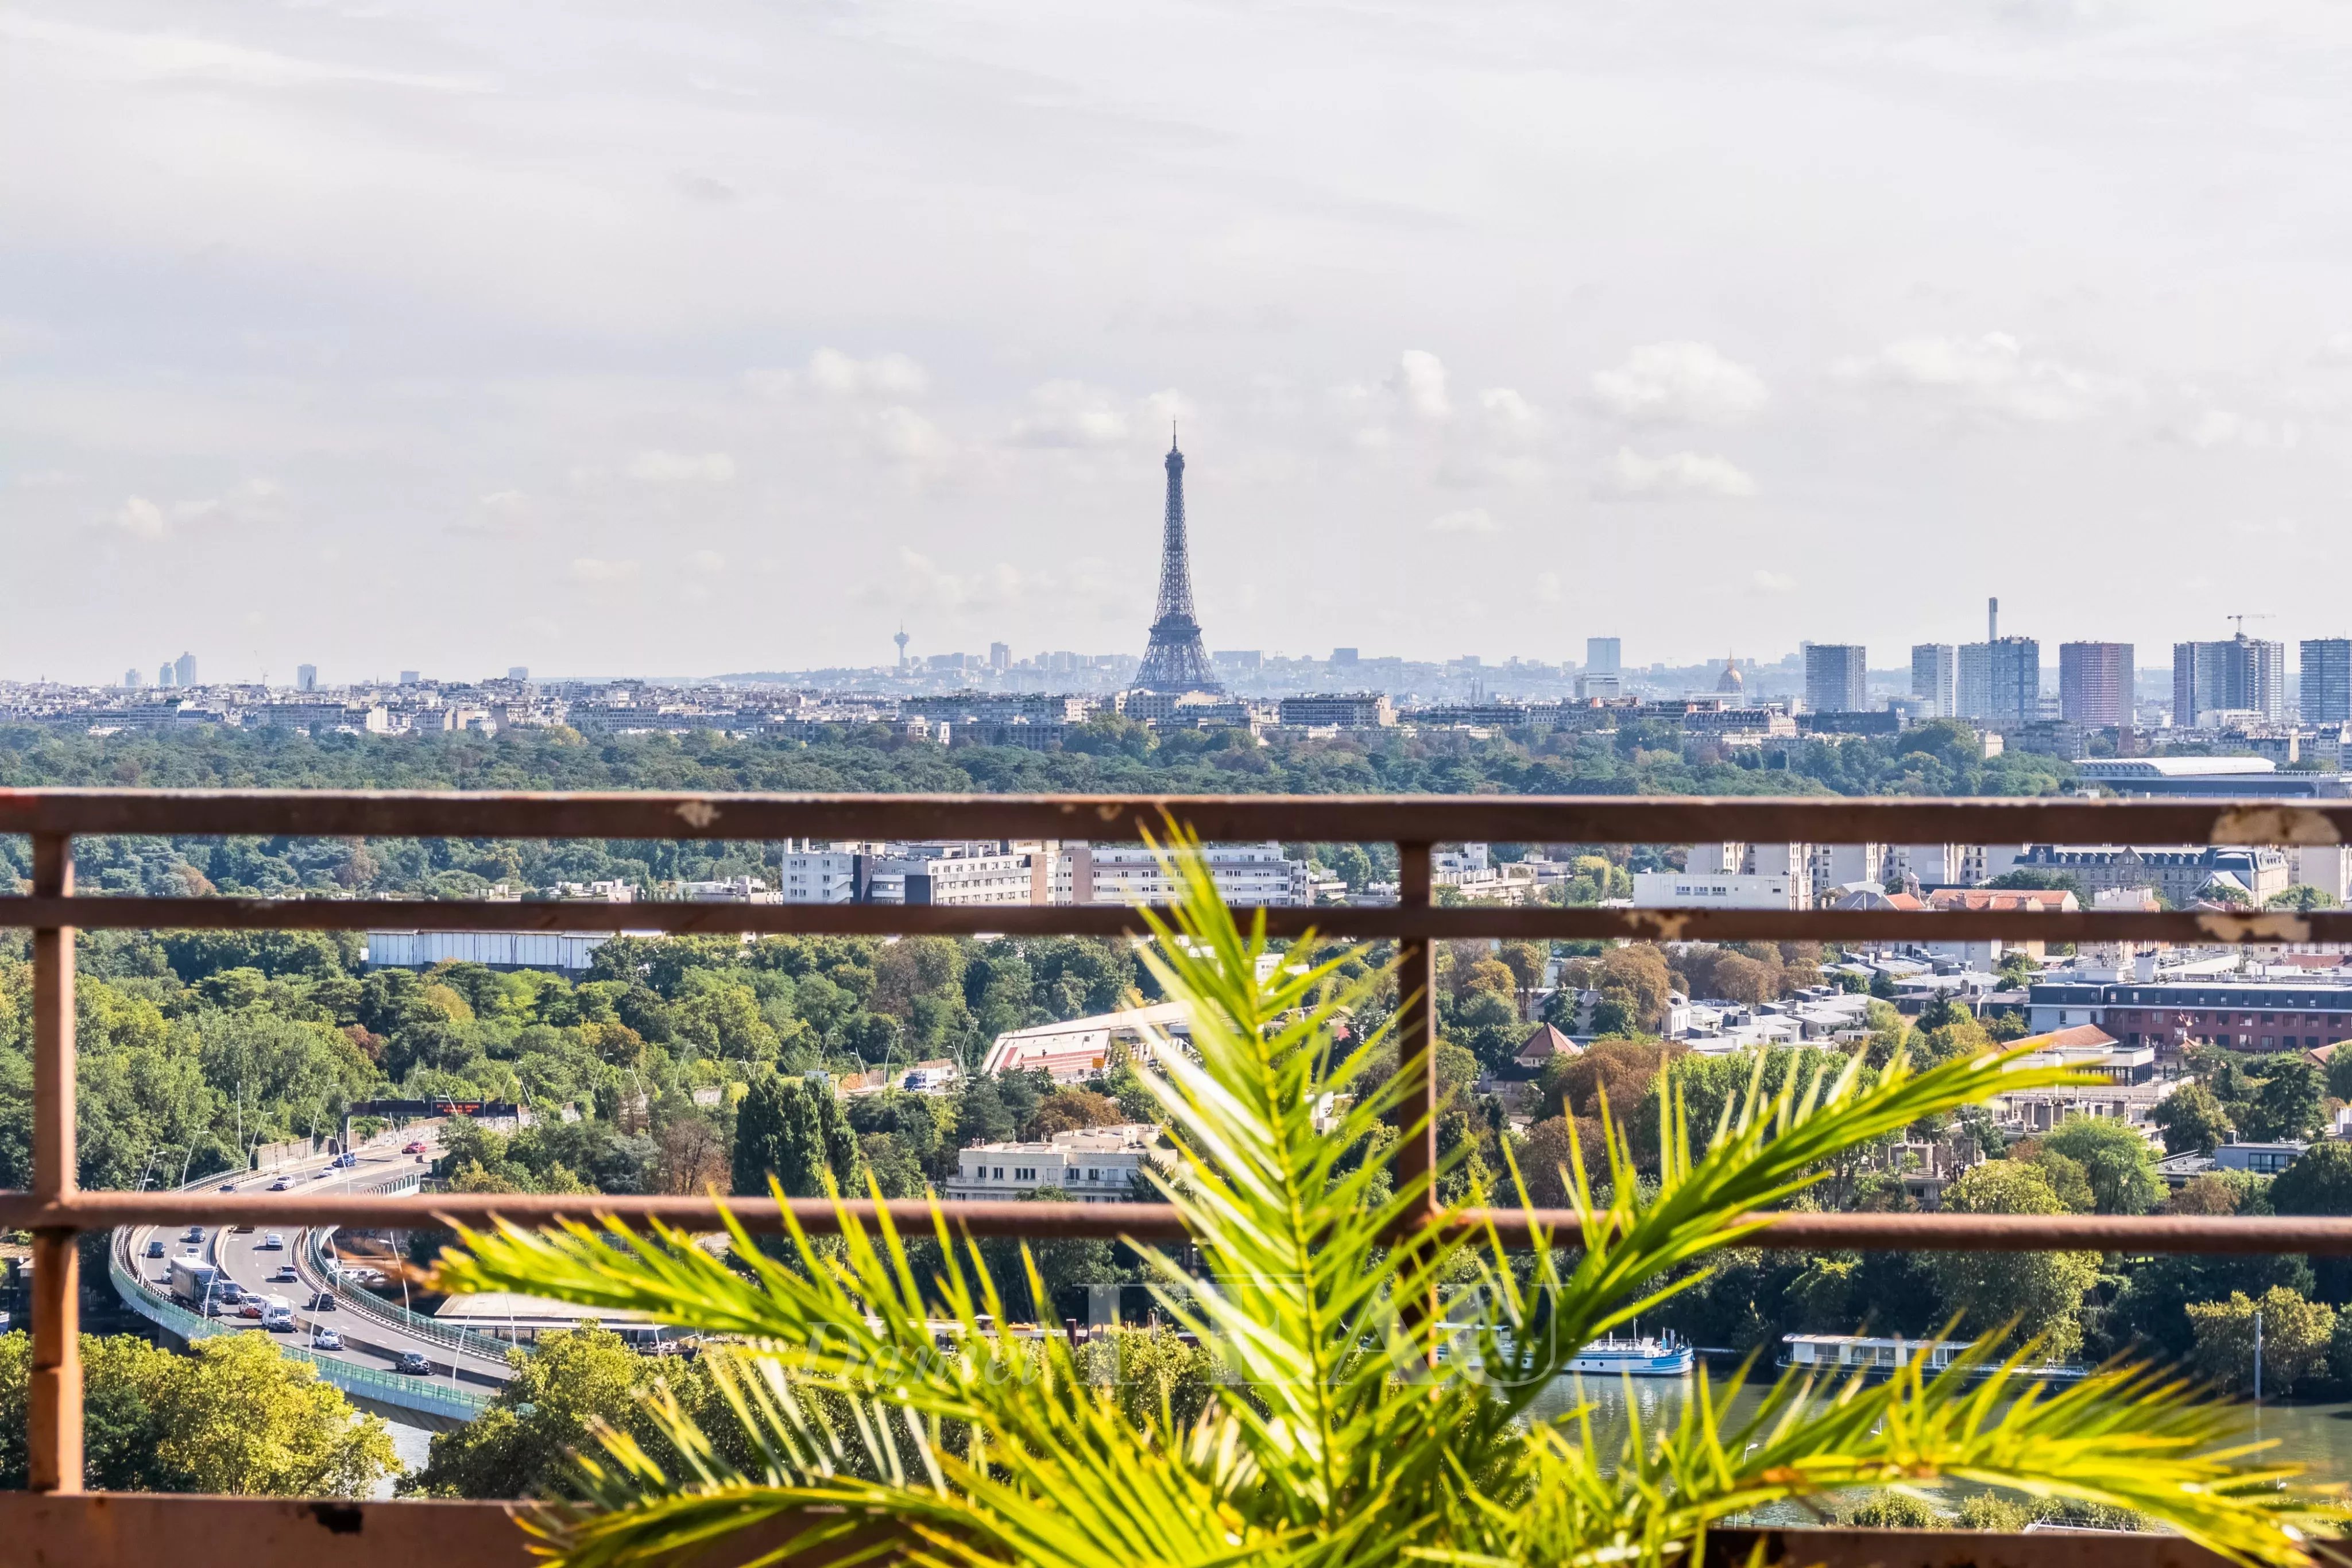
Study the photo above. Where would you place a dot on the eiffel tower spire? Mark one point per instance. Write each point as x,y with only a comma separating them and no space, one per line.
1174,660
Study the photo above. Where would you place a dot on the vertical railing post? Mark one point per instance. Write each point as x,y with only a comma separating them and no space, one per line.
1416,1031
54,1435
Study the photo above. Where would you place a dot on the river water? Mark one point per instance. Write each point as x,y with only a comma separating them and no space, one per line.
2318,1436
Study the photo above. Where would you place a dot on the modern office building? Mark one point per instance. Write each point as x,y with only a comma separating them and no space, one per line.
184,670
1602,656
2327,680
2000,683
1935,678
1836,677
306,677
2242,675
2094,683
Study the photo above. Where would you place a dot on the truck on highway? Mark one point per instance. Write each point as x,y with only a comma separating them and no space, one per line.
192,1280
277,1312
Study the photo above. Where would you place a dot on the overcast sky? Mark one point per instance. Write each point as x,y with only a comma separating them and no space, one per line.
689,338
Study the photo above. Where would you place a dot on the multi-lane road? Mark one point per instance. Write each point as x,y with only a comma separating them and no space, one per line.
372,1336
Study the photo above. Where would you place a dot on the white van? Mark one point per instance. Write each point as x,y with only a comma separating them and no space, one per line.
277,1312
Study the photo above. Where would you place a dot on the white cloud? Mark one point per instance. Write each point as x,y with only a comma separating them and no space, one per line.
902,435
921,581
1508,416
707,560
1993,374
837,374
1070,414
140,518
1418,383
1547,588
589,568
2218,427
1682,383
1775,581
1635,477
1469,521
658,467
2336,348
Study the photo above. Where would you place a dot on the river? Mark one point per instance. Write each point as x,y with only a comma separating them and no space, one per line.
2316,1435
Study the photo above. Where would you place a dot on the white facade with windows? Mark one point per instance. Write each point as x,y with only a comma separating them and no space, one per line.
1096,1166
1244,874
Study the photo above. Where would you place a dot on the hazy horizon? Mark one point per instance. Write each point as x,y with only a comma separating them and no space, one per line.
698,338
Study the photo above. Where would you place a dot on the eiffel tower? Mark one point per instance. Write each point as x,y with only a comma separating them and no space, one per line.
1175,661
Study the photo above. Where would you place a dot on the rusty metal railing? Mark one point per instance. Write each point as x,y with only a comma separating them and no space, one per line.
55,1210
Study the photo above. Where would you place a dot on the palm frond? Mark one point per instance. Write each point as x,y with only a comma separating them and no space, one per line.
869,1398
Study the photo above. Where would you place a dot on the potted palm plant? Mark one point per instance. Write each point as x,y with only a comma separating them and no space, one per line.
885,1409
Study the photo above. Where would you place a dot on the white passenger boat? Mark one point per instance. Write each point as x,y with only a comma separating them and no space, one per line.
1634,1356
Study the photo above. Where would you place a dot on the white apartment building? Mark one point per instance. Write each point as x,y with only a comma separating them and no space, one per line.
956,873
1938,865
1046,871
1095,1165
1731,876
813,872
1130,874
1841,866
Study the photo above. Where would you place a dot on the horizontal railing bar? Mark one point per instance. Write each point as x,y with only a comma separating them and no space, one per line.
1160,1222
1505,819
1113,920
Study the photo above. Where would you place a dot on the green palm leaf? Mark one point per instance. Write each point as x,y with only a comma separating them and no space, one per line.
886,1411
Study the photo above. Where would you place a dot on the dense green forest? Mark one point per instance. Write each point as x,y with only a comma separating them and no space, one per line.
195,1046
1110,755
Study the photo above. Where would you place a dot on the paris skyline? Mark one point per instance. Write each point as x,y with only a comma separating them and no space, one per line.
743,387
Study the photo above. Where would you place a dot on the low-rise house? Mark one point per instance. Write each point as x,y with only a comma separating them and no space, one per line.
1545,1042
2259,1159
1096,1165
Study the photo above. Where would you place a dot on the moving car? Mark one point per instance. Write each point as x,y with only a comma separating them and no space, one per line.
155,1247
280,1184
229,1290
273,1242
325,1339
323,1301
414,1364
413,1146
345,1162
250,1308
195,1233
285,1273
228,1186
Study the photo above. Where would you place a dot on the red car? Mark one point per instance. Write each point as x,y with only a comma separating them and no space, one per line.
412,1148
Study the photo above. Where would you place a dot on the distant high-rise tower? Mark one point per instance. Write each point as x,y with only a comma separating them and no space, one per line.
901,640
184,669
2095,683
1935,678
1175,660
2326,680
1836,680
131,680
2244,674
306,677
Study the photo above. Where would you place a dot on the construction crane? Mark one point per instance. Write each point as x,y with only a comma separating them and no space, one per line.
2245,616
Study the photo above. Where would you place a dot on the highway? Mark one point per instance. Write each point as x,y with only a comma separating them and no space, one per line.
372,1336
